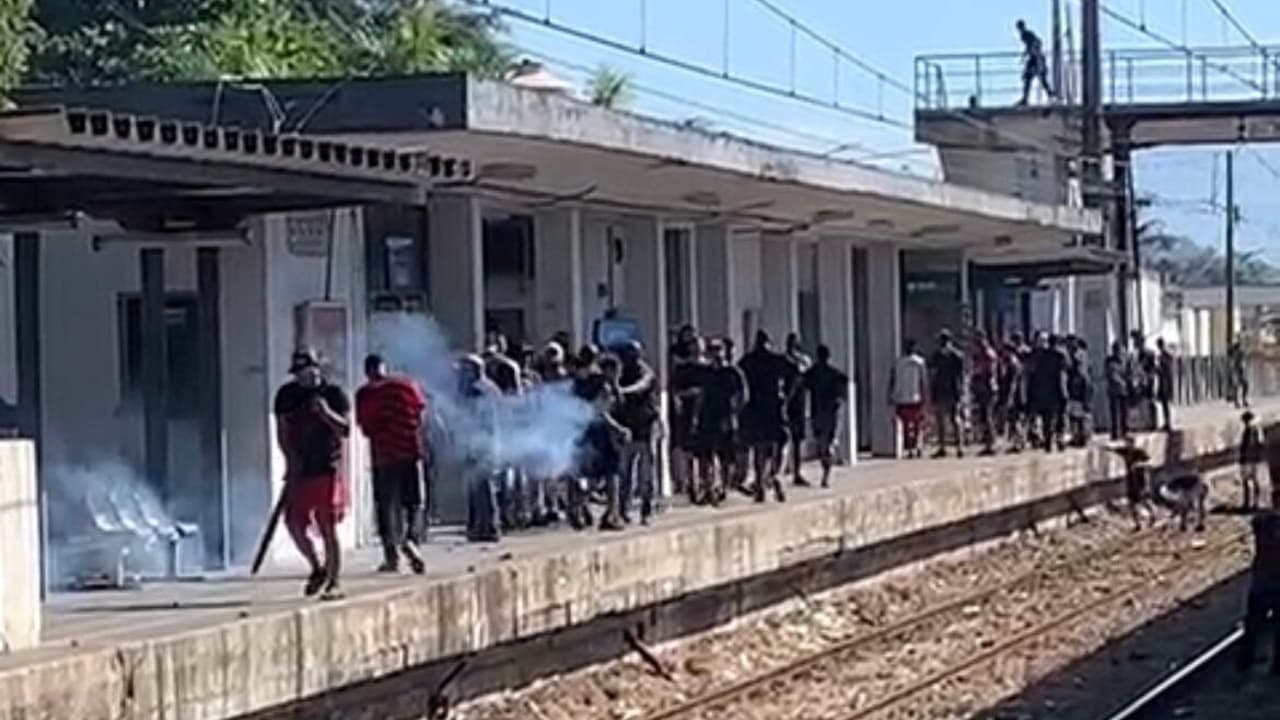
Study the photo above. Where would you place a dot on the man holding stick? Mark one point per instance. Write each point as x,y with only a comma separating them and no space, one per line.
311,428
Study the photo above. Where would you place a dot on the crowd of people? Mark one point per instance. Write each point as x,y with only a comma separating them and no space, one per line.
735,422
1026,394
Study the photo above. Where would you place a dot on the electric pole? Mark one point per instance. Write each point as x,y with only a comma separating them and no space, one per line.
1057,50
1231,248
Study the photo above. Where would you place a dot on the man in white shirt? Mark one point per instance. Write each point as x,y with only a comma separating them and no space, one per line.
907,392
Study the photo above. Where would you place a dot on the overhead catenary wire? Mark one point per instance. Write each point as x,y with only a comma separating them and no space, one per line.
1239,26
834,104
1142,28
885,79
758,86
833,145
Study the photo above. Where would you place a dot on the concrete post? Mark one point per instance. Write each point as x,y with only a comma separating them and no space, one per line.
780,312
645,268
717,304
20,586
558,277
884,343
835,293
455,250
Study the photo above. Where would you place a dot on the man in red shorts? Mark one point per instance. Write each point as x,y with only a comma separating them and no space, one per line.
312,427
389,410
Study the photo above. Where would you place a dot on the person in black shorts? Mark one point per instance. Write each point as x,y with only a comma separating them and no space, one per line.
1034,66
946,383
721,395
769,377
797,410
687,362
1262,609
828,390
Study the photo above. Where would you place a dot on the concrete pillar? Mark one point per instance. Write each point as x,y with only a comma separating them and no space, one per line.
780,310
558,284
717,304
645,269
20,586
884,342
155,372
455,250
835,296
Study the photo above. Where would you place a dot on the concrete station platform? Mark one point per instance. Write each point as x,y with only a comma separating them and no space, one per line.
230,646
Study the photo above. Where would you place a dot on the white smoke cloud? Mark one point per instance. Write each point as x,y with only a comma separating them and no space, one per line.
536,433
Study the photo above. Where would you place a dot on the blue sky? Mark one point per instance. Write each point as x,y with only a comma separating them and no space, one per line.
889,35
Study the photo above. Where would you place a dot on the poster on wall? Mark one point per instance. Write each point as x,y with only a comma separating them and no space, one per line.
402,259
322,327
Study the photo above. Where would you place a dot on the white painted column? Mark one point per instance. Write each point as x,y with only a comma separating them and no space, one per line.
717,303
884,343
645,267
835,293
780,314
455,251
558,275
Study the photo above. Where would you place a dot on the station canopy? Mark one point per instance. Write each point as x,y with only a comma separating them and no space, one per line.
546,149
157,174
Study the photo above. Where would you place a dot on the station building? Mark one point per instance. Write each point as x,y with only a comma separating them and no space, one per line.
152,310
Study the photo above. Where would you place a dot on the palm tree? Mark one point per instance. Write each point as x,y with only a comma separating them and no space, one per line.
609,87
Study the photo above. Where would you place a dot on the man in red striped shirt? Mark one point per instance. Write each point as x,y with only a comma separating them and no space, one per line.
389,409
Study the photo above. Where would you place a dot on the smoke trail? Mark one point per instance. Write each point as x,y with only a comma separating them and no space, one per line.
536,433
100,512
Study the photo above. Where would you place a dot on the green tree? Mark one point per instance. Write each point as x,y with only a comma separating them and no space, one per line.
15,35
609,87
91,42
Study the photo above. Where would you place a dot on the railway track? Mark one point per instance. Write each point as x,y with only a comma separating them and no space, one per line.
717,702
1179,682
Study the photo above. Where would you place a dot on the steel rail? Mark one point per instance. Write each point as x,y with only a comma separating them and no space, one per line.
730,692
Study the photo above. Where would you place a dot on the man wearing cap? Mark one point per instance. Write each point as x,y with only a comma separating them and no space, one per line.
638,413
311,428
389,410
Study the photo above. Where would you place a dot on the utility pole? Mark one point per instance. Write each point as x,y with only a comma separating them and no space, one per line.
1057,50
1095,195
1231,248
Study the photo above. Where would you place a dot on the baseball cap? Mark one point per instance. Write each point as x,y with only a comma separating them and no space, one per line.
303,359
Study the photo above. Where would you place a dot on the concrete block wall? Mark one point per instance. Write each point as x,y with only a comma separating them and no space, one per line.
19,547
283,657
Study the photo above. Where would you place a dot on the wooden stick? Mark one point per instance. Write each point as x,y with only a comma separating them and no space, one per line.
269,531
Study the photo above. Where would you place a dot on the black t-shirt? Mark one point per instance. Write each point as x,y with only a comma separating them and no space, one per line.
800,364
827,389
638,411
503,371
1031,44
718,387
316,445
768,375
1266,544
947,365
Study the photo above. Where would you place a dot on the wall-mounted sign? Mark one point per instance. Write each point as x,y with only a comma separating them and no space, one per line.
309,234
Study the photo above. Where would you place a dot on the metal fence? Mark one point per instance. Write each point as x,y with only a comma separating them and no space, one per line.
1129,76
1207,379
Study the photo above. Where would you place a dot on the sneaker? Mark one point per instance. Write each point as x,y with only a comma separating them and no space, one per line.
778,492
611,524
389,567
416,563
332,591
314,582
800,481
